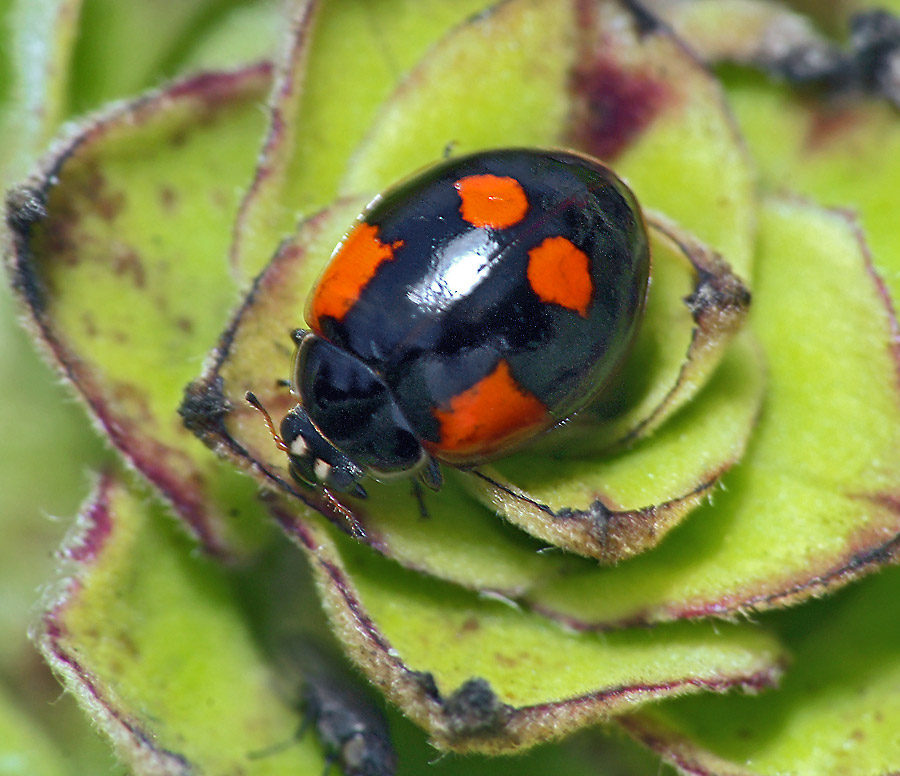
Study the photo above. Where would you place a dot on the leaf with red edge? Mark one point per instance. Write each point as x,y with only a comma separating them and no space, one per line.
618,505
480,675
813,503
596,76
119,257
642,492
343,60
836,714
152,642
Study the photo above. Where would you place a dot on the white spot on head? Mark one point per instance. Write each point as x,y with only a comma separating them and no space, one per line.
299,447
322,469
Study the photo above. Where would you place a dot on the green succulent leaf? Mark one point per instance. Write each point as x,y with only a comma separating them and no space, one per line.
151,641
124,48
647,489
695,307
845,154
38,41
621,504
837,711
124,278
728,471
758,33
811,505
481,675
345,58
572,74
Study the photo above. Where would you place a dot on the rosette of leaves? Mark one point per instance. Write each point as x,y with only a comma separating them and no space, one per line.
648,568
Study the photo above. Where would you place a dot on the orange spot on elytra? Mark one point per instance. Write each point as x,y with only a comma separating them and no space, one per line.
491,415
559,272
348,272
491,201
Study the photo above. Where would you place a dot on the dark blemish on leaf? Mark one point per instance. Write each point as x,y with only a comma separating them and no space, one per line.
89,188
717,292
129,263
425,680
184,324
25,206
133,399
168,198
829,125
599,517
870,65
505,660
611,106
474,709
178,138
128,644
89,323
204,408
875,43
470,625
110,205
220,199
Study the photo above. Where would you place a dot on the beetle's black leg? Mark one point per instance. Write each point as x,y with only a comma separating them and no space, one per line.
282,383
431,476
420,497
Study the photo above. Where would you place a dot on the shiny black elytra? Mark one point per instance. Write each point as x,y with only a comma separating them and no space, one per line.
470,308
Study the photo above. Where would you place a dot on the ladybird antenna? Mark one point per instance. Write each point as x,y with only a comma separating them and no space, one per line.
267,419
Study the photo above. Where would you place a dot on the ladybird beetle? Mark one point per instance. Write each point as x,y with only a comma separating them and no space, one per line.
470,308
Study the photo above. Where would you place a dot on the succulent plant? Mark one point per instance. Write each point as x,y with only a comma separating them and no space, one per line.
670,565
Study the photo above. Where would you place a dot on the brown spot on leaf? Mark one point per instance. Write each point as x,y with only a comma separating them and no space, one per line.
612,106
470,625
90,325
830,124
168,198
128,263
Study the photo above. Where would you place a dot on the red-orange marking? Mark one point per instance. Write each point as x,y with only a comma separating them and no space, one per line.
490,201
354,265
560,272
488,417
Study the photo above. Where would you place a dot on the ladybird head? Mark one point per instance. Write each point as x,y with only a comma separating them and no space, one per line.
314,460
347,422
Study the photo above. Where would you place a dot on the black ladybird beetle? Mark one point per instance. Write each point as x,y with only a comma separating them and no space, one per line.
470,308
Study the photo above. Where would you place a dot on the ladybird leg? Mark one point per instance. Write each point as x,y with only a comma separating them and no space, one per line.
354,526
282,383
419,496
431,476
259,754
